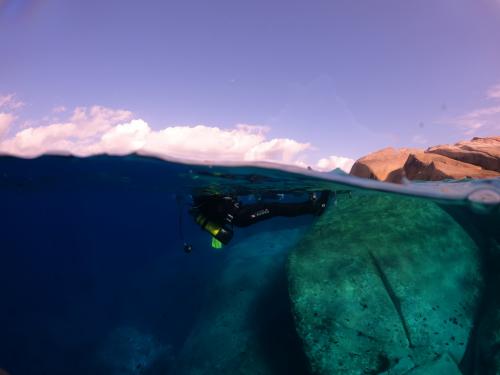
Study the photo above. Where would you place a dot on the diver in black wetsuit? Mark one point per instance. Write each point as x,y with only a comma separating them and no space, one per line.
218,213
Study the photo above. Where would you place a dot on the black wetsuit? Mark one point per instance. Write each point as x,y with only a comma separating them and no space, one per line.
226,209
218,213
250,214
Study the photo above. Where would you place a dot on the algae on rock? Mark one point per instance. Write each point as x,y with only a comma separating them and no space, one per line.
384,284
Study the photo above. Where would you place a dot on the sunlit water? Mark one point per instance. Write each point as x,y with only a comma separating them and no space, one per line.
94,280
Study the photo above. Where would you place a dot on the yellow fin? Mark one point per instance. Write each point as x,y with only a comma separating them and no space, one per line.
216,244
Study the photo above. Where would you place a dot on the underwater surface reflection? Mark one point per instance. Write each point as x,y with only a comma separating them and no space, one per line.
94,280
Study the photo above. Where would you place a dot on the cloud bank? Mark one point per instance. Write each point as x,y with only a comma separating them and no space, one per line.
333,162
98,129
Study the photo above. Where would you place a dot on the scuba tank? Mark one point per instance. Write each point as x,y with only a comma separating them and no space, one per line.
219,232
221,235
214,213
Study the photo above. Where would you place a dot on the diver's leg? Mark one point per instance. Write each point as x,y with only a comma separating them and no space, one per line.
250,214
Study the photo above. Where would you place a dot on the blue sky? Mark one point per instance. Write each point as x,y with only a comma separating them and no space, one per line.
347,77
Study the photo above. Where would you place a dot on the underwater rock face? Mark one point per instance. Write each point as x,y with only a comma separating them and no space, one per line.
240,328
443,365
489,344
384,284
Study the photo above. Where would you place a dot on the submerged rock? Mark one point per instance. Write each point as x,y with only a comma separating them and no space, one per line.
488,347
384,284
245,326
443,365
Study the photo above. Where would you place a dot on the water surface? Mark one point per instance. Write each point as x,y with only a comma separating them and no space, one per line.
94,280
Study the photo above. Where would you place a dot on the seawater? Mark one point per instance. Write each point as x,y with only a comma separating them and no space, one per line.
94,280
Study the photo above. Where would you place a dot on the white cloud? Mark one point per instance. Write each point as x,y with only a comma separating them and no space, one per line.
205,142
482,112
103,130
10,102
472,127
131,136
34,141
242,143
96,130
486,119
96,119
283,150
83,129
6,119
332,162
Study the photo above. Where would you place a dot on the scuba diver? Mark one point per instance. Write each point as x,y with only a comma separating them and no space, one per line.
217,214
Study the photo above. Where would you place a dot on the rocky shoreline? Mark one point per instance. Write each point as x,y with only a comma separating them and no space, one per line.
477,158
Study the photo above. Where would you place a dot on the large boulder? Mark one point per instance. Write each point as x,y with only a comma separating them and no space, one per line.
383,165
434,167
385,285
478,158
487,348
484,152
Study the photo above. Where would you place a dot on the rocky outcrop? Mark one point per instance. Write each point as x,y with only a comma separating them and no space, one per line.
381,164
432,167
483,152
478,158
385,285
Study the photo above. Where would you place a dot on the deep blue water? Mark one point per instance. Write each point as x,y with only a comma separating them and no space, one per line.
77,264
90,253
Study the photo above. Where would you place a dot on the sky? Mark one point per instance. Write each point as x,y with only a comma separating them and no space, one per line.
312,82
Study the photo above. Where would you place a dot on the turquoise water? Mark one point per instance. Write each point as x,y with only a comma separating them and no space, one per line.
391,279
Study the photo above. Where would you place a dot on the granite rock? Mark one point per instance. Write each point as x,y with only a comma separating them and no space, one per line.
384,284
434,167
478,158
383,165
483,152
